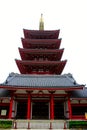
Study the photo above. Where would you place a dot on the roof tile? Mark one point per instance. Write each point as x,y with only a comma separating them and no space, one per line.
40,81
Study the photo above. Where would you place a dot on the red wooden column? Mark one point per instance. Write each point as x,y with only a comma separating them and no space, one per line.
29,107
52,107
10,109
69,108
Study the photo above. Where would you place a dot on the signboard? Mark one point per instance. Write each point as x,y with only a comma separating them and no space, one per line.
3,112
86,115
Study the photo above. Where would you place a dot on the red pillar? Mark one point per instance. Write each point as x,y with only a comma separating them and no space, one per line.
52,107
10,109
69,108
29,107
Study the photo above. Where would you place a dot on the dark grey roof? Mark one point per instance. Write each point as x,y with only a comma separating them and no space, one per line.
79,93
40,81
4,93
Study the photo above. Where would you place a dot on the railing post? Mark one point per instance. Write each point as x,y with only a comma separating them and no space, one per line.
28,124
50,125
15,124
64,125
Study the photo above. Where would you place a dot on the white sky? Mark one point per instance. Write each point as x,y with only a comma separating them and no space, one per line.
70,16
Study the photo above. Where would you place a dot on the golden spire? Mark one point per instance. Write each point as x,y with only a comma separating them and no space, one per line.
41,23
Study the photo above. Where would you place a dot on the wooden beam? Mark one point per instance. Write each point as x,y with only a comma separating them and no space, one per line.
69,88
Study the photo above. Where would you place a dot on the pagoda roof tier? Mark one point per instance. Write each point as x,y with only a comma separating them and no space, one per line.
27,54
41,34
41,43
54,67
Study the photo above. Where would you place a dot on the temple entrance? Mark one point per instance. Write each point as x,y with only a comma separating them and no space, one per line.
59,110
40,110
21,110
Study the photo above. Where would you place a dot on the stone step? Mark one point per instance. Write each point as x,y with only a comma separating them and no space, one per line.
39,124
37,129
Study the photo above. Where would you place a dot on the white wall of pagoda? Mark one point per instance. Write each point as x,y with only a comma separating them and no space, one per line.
5,100
81,101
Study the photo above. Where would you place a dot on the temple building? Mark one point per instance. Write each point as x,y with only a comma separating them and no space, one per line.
41,91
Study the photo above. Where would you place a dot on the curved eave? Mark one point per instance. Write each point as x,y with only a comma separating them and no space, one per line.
24,62
29,51
33,52
30,43
41,34
60,67
25,66
68,88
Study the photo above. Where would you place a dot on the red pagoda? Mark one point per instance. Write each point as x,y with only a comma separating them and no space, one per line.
41,91
41,53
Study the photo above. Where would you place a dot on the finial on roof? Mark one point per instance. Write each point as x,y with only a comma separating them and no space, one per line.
41,23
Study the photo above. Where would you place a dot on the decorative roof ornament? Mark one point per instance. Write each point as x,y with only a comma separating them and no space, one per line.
41,23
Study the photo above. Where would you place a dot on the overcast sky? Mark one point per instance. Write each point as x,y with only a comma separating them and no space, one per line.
70,16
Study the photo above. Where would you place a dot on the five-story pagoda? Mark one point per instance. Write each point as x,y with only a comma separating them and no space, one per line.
41,53
40,91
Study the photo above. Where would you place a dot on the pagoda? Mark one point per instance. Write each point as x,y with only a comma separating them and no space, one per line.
41,91
41,53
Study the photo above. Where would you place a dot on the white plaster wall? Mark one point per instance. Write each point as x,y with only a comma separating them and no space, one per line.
20,92
74,101
6,100
83,101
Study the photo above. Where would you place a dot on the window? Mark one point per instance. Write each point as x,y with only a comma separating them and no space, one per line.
79,110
